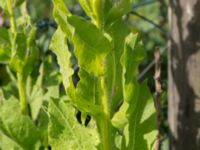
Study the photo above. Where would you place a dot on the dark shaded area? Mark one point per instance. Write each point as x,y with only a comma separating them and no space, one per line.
78,117
182,47
87,120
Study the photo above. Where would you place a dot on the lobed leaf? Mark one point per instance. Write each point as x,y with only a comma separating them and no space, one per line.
59,47
140,132
140,112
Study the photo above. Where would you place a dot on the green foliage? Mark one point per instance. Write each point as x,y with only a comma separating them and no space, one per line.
3,4
65,131
108,62
59,46
24,55
91,46
23,100
39,105
5,46
16,131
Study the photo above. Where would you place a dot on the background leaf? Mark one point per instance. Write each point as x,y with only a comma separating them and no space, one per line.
16,130
118,9
3,4
5,46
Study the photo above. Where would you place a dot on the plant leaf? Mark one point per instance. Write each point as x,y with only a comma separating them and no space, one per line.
65,131
141,112
118,32
59,47
5,46
18,60
87,7
119,8
88,92
60,13
136,116
87,88
95,10
140,132
16,130
91,46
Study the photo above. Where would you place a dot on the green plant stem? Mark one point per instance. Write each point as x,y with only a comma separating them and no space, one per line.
22,97
13,27
20,80
11,16
104,122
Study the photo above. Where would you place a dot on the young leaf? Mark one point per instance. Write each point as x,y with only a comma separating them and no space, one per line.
66,132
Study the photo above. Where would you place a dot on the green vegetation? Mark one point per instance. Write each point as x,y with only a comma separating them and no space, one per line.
43,104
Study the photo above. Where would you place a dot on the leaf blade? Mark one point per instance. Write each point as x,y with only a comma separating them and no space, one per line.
90,51
16,129
65,131
59,47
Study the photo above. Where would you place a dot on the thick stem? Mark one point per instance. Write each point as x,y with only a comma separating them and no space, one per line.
104,121
22,96
104,124
104,129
